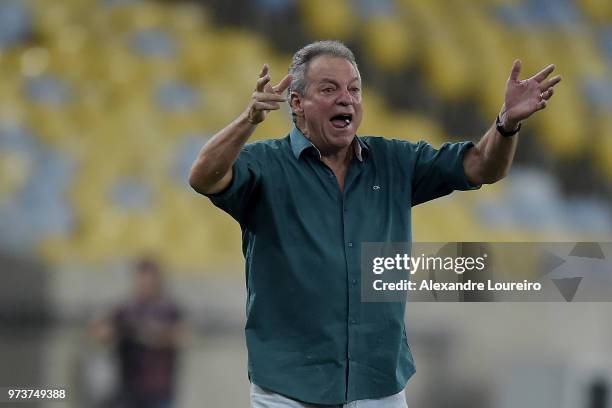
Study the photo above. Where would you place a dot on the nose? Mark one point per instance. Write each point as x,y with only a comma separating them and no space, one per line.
345,98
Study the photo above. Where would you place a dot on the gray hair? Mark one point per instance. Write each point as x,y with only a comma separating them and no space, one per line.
302,58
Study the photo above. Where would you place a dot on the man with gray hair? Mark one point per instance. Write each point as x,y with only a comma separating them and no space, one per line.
308,201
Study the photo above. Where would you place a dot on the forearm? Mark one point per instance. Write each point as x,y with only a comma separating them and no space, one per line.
498,153
212,169
490,160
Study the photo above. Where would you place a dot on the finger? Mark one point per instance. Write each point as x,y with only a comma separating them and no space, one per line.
540,76
516,70
264,70
261,83
541,105
268,97
283,84
547,94
268,88
266,105
551,82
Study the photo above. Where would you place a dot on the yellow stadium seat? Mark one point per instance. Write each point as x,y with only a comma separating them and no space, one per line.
328,19
564,138
601,144
15,168
599,11
388,43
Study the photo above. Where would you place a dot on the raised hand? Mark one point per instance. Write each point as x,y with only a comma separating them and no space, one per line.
266,97
523,98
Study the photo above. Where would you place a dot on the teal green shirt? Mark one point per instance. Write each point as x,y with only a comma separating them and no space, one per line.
309,336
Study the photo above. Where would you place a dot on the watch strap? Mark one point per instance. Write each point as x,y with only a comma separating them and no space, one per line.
503,131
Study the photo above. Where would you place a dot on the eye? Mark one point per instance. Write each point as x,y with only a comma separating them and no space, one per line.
328,89
355,89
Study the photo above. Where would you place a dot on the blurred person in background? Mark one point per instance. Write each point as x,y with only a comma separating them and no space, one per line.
308,201
146,331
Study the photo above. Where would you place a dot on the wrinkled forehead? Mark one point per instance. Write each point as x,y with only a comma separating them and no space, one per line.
327,68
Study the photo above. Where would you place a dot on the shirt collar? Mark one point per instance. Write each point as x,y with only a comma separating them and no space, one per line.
299,143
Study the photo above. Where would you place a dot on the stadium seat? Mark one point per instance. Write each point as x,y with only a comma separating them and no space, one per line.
324,19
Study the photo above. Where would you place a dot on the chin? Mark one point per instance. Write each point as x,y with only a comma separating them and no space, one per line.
342,134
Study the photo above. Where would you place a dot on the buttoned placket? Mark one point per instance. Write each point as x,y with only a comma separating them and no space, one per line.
353,290
351,271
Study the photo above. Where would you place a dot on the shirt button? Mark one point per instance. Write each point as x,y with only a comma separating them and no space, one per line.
350,244
353,321
354,281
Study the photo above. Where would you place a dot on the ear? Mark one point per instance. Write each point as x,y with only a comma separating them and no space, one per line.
296,104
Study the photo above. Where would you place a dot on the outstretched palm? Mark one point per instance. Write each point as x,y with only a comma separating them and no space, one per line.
523,98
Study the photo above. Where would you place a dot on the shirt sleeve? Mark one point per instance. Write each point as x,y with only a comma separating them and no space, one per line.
237,197
438,172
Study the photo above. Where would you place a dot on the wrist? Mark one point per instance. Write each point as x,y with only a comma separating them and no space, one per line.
245,119
507,128
507,125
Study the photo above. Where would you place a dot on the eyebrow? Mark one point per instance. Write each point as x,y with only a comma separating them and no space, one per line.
333,81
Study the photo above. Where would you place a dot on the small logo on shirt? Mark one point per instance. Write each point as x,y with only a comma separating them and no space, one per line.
375,187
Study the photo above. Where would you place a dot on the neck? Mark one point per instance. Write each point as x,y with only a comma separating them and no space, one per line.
340,158
333,157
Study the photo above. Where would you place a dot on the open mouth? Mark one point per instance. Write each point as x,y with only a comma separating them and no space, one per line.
341,121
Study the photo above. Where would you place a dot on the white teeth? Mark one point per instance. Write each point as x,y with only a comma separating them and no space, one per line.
347,121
